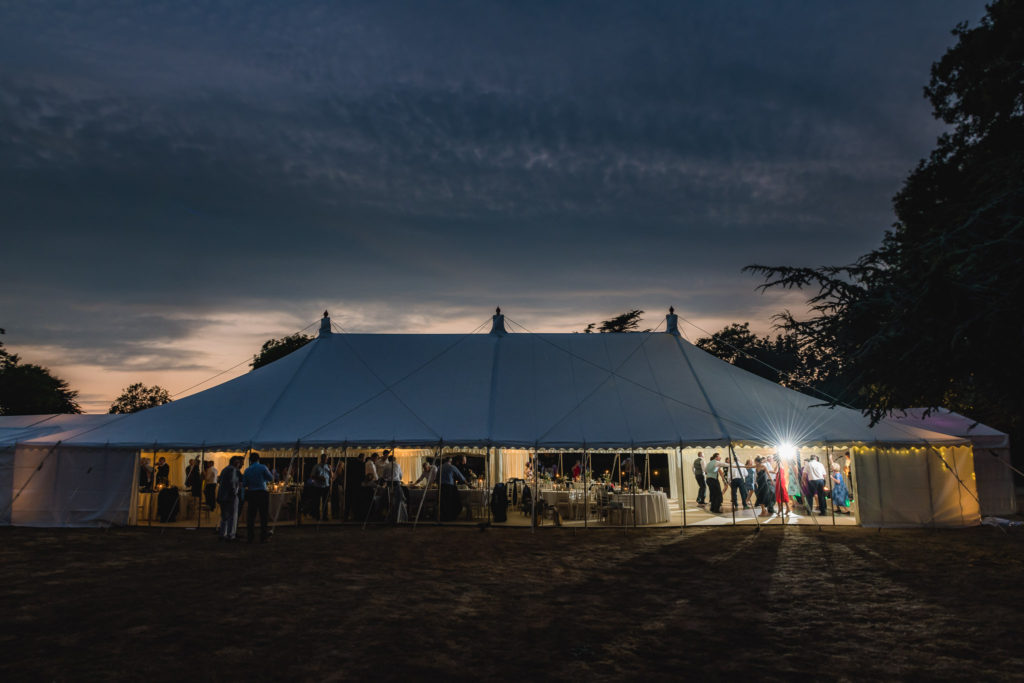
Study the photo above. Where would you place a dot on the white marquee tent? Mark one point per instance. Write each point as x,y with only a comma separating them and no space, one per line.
500,390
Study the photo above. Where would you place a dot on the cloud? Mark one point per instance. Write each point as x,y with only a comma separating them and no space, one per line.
164,165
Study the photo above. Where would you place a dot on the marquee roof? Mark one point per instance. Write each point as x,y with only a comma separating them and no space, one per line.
515,390
948,422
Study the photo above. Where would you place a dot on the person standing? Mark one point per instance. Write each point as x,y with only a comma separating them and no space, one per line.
782,487
337,490
763,487
163,473
370,478
839,491
255,478
321,488
816,483
698,473
354,472
577,470
230,495
397,509
738,485
711,475
146,476
451,503
210,485
748,481
194,478
427,475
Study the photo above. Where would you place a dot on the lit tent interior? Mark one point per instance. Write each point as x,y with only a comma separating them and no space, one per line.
501,393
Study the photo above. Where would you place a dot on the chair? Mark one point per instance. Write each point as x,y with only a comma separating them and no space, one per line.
604,503
622,513
526,502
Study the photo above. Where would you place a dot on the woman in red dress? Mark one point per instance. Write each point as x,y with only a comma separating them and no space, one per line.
782,487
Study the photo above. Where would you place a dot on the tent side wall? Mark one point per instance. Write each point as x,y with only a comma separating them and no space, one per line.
73,487
6,483
995,481
912,487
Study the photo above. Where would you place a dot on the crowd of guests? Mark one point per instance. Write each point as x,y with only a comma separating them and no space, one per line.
771,483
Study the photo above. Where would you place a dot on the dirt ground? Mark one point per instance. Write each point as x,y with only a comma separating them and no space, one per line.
511,604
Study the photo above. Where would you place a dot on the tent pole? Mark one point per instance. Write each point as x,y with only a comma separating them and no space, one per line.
878,478
831,487
297,477
736,460
586,488
202,488
157,493
931,498
647,468
343,461
487,482
536,492
957,475
682,485
731,476
618,468
632,483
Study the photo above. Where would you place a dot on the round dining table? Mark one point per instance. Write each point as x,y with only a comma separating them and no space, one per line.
649,507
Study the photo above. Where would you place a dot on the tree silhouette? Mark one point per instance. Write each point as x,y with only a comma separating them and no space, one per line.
28,389
275,349
625,322
932,317
139,397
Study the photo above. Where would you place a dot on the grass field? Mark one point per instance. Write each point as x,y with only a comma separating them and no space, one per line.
511,604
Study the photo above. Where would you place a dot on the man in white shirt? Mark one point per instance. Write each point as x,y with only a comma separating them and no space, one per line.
392,476
816,483
321,488
711,472
428,475
210,485
737,475
394,470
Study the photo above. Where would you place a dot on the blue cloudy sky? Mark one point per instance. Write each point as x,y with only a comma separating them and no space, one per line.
180,181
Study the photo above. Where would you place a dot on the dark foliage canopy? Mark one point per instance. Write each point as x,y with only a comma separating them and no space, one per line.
624,322
27,389
274,349
932,317
139,397
776,358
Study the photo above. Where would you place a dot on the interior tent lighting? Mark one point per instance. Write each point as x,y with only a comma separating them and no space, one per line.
787,451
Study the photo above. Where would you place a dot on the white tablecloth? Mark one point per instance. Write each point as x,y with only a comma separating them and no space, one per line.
649,508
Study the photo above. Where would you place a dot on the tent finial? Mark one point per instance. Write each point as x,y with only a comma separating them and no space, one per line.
672,322
325,324
498,323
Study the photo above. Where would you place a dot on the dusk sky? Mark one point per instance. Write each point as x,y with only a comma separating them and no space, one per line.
182,181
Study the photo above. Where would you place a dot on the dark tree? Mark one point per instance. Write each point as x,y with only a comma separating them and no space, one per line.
275,349
776,358
139,397
932,317
27,389
626,322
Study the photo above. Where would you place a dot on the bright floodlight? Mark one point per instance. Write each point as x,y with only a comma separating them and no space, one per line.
787,451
